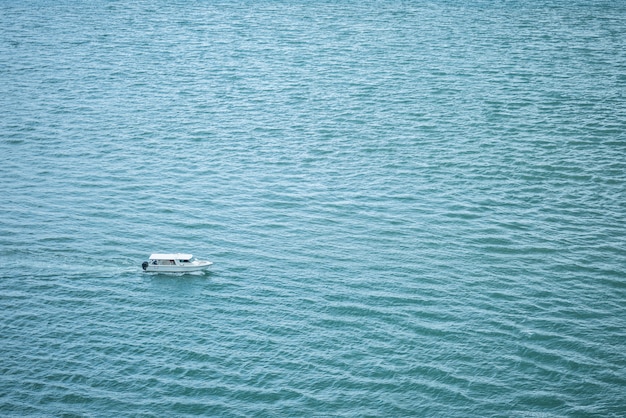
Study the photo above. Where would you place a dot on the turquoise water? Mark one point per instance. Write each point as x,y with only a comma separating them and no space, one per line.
413,208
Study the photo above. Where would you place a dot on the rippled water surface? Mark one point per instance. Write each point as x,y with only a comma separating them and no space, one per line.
413,208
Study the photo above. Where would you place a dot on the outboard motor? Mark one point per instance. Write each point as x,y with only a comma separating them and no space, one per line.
144,265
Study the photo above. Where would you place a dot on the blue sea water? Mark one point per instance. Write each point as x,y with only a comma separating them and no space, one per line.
413,208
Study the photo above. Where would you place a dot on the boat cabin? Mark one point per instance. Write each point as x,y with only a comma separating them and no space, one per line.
170,259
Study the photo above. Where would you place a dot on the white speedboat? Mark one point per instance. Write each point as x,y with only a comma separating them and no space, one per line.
174,263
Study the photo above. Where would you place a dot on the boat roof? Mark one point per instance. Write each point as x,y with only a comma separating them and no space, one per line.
176,256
